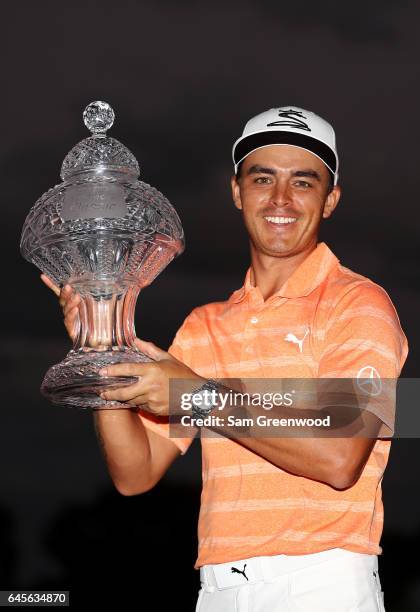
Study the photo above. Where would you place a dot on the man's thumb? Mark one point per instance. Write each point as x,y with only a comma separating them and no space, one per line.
151,350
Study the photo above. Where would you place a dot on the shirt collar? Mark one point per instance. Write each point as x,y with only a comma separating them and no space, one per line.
307,276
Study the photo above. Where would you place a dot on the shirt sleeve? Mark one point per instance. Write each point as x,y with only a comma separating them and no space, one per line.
160,425
364,341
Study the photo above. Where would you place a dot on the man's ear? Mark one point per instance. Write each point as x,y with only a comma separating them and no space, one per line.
331,202
236,192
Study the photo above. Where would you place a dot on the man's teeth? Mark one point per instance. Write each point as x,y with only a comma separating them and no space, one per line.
281,219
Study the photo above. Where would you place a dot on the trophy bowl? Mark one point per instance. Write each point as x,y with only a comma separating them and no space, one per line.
106,234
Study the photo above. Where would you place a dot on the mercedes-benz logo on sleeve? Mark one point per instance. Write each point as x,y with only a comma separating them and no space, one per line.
369,381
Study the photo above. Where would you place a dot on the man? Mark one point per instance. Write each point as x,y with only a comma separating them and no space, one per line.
286,523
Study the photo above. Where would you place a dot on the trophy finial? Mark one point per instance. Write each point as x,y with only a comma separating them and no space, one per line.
99,152
98,117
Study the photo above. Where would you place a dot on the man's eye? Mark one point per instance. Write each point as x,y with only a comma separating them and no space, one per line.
263,180
303,184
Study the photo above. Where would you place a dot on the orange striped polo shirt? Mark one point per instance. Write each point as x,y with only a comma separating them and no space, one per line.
250,507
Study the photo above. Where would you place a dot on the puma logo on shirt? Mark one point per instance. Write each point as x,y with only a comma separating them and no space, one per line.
292,338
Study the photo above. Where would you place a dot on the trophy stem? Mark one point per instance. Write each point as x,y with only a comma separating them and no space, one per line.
107,322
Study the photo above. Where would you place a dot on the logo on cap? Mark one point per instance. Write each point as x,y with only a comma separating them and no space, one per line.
293,118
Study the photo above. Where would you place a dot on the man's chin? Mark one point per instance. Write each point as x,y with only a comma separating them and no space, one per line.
284,251
284,248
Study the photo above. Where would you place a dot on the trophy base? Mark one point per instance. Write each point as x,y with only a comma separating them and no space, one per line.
75,380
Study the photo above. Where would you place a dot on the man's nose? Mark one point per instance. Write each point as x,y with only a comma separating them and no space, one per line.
280,194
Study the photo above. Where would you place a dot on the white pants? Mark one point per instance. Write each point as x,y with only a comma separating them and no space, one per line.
335,580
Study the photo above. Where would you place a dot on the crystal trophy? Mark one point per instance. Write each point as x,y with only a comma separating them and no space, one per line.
108,235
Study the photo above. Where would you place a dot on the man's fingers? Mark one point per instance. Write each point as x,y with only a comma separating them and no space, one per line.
47,281
71,315
151,350
125,369
71,303
70,322
125,394
66,294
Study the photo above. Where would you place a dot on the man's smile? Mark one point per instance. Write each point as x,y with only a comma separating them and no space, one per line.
283,221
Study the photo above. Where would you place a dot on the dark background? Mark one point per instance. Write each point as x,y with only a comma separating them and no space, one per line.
183,78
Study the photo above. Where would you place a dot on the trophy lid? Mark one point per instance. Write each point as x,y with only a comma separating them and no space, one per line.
99,152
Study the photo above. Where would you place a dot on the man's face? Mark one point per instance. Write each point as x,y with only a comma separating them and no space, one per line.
283,194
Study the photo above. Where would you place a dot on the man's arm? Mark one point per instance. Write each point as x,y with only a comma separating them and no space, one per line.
136,457
337,461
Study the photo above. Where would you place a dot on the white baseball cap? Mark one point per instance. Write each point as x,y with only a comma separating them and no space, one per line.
289,125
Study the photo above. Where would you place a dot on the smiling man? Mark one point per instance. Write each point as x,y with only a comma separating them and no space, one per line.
283,192
286,523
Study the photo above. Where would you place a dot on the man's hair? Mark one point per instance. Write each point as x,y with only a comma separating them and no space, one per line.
330,177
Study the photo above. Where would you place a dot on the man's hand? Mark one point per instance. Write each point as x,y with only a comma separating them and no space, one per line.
152,390
69,301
